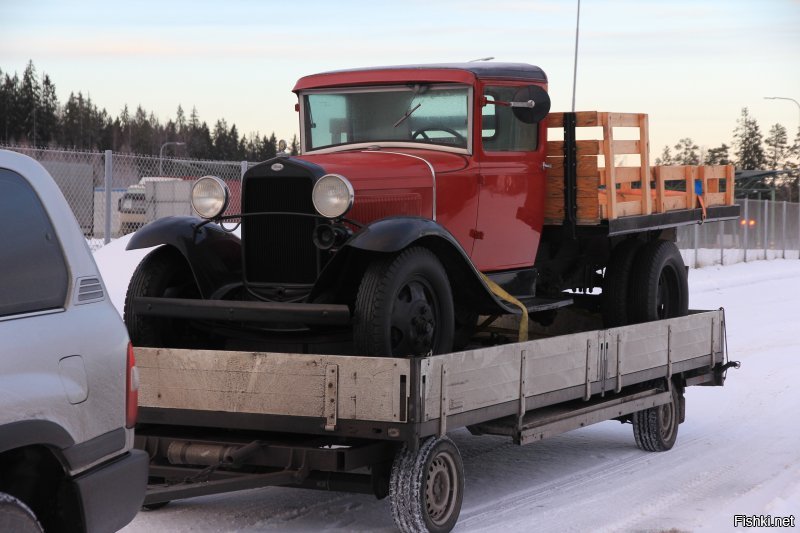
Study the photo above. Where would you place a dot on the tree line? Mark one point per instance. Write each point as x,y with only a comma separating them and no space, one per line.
31,115
749,151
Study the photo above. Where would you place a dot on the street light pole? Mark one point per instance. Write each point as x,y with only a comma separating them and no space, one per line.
161,154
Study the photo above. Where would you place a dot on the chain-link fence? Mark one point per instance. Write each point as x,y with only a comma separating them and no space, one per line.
144,188
765,230
141,188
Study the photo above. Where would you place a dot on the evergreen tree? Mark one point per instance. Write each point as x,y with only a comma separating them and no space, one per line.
686,152
666,158
47,123
718,155
777,146
294,148
747,140
28,103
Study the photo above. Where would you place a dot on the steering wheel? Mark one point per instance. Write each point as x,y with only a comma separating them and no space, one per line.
460,139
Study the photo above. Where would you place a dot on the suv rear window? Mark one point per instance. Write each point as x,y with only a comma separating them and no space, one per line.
33,273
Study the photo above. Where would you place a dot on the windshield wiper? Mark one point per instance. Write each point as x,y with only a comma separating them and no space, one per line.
407,114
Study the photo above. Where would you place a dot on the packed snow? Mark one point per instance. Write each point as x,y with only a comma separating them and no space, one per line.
737,453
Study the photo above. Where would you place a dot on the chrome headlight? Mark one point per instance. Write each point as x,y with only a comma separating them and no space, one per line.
332,196
210,196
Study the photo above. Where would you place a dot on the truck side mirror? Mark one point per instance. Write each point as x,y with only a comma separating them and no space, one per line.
538,104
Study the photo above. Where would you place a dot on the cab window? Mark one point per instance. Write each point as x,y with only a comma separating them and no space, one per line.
500,130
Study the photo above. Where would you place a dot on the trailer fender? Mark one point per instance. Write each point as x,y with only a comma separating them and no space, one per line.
392,235
214,255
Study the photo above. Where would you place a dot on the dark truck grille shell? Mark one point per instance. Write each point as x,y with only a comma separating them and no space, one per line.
278,248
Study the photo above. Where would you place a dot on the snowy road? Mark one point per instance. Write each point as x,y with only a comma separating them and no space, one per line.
737,453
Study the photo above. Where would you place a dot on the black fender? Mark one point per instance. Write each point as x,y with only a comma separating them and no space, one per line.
340,278
214,255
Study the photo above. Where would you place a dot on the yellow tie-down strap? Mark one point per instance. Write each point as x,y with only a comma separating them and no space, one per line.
502,294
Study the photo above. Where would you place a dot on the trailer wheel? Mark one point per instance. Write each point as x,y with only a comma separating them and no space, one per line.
163,272
427,487
616,283
660,287
16,516
404,306
656,429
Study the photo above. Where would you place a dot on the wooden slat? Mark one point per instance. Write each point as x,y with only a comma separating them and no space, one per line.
628,174
673,173
583,119
587,167
729,184
590,147
626,147
610,176
714,198
690,174
673,203
644,163
587,187
623,120
661,203
630,208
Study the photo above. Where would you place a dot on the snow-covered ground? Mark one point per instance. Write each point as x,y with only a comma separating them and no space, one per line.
737,453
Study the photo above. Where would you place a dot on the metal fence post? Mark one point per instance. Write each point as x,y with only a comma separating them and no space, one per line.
765,215
696,238
720,237
108,180
244,169
746,227
783,233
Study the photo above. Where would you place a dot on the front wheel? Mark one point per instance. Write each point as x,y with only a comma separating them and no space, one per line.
404,306
427,487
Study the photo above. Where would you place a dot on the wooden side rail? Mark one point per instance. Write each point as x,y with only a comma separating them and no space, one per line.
606,191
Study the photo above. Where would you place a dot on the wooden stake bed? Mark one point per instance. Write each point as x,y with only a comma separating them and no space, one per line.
605,191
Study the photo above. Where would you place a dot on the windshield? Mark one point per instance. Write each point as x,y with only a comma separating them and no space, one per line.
431,114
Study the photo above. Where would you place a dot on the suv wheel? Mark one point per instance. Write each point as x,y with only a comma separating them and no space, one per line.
16,516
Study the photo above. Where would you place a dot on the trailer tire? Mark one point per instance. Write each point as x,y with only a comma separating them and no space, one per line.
660,286
427,487
16,516
656,429
404,306
616,284
163,272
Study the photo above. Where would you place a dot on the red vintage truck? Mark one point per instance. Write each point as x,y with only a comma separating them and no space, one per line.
426,196
427,203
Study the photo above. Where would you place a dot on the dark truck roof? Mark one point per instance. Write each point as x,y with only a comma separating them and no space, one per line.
456,72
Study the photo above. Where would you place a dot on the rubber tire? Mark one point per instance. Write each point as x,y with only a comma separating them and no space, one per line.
651,432
380,286
658,261
466,322
616,283
163,272
16,516
408,486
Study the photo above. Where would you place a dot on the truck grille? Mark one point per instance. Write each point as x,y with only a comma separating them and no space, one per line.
278,248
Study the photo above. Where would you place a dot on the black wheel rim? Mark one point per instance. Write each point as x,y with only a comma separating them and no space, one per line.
667,294
415,315
441,488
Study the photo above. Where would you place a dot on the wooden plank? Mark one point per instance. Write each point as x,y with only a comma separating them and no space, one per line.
623,120
644,163
714,198
673,173
590,147
729,184
610,171
629,208
661,205
690,174
674,203
587,187
626,147
587,167
628,174
583,119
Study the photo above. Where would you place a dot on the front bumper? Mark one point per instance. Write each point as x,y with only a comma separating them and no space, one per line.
241,311
111,494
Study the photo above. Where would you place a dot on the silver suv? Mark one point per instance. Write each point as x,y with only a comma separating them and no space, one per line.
68,383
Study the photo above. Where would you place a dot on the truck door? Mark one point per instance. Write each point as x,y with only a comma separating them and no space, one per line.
512,184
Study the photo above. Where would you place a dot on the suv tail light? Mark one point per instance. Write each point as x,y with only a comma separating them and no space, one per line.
131,390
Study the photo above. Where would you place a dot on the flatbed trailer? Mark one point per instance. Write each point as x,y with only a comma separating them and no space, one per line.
218,421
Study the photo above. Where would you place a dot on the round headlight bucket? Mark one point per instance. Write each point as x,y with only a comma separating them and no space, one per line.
332,196
210,196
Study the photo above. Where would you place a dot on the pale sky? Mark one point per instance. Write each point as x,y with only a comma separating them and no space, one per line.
692,65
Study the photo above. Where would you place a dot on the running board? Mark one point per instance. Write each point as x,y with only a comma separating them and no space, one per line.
545,422
536,305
